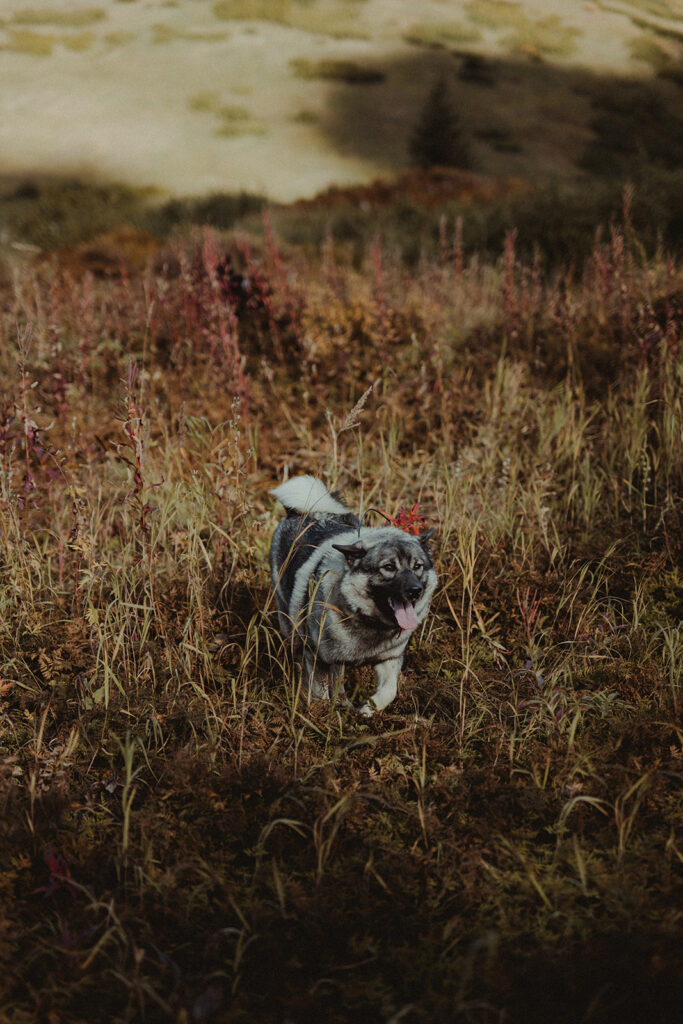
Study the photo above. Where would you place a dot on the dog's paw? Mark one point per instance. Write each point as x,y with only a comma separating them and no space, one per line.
368,709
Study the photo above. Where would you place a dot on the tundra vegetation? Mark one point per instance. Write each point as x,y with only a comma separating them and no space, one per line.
184,837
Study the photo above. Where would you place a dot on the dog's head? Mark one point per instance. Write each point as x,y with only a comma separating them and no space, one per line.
390,580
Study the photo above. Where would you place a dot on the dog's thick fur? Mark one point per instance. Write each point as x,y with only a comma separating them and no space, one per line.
352,594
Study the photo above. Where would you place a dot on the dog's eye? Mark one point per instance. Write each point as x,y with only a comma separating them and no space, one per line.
418,567
388,567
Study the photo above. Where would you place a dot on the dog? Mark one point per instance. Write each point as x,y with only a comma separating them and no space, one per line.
353,594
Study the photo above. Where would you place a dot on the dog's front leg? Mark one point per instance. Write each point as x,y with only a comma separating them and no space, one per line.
316,676
324,681
386,674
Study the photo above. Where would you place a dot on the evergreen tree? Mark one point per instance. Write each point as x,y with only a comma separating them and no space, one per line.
437,139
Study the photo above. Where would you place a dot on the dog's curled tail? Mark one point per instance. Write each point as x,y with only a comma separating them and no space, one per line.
307,495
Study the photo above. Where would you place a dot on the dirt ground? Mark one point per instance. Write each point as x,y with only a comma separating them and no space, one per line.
196,97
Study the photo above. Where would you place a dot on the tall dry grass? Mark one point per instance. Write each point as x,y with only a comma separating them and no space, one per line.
184,836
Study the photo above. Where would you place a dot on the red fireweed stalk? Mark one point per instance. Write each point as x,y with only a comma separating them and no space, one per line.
275,257
458,256
226,325
262,290
510,298
379,289
28,425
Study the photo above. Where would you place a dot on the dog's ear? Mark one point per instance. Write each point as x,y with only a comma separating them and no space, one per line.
424,538
351,552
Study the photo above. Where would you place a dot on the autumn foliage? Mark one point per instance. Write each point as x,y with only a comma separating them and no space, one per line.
183,836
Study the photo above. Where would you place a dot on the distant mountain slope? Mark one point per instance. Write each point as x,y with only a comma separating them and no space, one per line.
287,97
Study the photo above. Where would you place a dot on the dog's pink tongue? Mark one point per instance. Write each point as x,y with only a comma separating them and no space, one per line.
406,616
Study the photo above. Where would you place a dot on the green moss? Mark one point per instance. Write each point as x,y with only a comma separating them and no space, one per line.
212,103
233,128
235,119
40,44
337,71
62,19
168,34
234,112
440,34
339,19
119,38
496,14
205,102
78,43
35,44
252,10
305,117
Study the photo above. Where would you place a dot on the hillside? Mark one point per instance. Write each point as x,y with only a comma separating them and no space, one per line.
286,97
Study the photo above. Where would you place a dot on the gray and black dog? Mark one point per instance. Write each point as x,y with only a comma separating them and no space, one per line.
353,594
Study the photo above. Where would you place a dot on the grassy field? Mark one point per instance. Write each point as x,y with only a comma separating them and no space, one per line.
184,837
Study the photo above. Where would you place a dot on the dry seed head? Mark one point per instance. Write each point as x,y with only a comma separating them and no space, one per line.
352,419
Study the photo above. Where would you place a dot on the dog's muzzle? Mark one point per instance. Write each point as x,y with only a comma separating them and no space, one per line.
409,586
409,591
